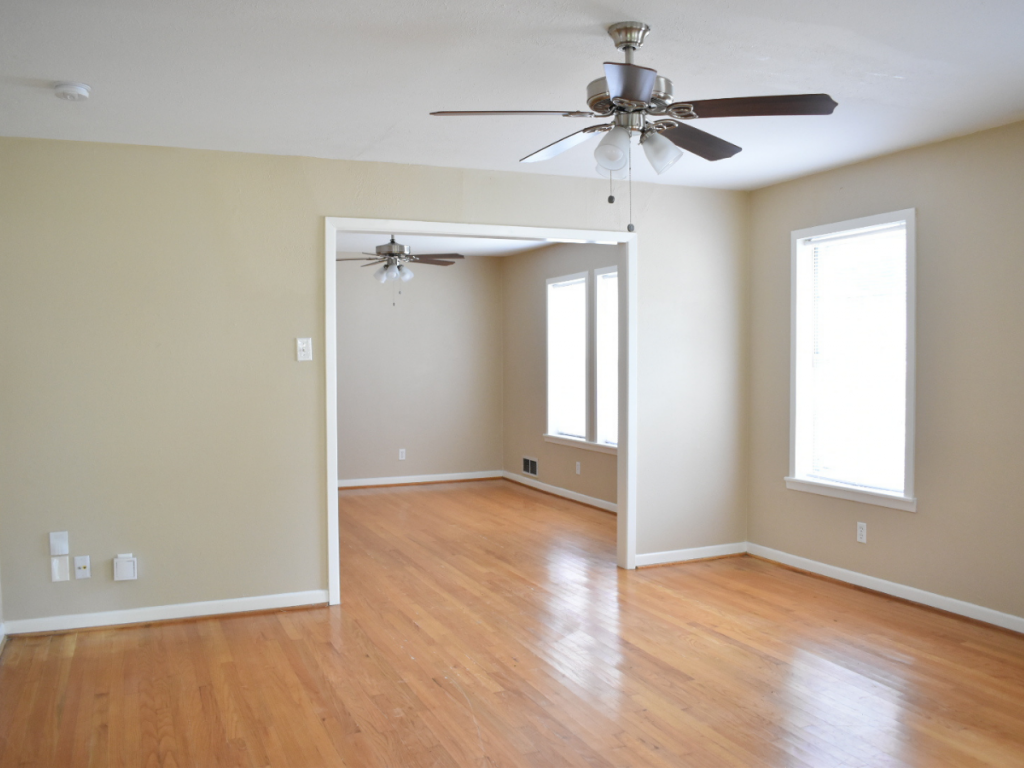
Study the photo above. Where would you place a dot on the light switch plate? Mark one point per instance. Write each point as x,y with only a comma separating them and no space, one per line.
59,568
303,350
58,543
82,568
126,568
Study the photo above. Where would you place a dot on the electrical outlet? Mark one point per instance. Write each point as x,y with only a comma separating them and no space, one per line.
577,467
401,454
303,350
82,567
862,533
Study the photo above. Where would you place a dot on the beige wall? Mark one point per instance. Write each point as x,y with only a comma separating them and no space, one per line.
149,397
965,540
524,285
420,370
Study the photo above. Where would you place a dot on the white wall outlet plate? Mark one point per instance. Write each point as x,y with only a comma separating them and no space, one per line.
303,350
401,454
862,533
59,568
578,467
58,543
83,570
126,568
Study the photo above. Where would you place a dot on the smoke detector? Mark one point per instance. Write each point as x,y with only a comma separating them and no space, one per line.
72,91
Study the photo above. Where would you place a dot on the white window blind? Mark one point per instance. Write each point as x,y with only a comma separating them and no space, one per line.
850,359
607,347
567,357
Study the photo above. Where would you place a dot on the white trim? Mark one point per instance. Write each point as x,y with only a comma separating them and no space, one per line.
628,393
586,445
410,479
852,494
3,638
913,594
166,612
331,388
608,506
907,501
952,605
694,553
628,410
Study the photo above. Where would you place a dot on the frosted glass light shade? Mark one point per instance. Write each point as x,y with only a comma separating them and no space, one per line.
661,153
613,152
392,272
381,275
405,273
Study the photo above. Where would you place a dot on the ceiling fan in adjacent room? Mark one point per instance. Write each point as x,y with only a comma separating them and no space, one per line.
394,259
639,101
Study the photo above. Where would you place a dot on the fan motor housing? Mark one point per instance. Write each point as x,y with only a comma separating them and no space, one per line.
599,102
392,249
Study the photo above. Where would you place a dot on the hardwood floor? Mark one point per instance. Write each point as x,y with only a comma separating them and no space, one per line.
485,624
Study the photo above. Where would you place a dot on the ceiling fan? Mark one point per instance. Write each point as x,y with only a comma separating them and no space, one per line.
395,258
639,100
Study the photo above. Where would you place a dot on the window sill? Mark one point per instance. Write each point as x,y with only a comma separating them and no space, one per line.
907,504
584,444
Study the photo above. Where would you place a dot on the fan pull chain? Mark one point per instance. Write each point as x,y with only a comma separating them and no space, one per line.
611,197
629,155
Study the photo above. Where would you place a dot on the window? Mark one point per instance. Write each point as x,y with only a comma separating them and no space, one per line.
607,348
583,359
853,362
567,357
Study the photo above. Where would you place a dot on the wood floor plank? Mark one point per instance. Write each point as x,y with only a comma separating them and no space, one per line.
485,624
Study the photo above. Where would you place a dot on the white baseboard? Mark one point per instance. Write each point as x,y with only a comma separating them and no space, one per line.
3,638
165,612
608,506
694,553
411,479
959,607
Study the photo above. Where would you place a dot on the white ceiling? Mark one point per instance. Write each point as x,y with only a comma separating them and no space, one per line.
363,242
357,80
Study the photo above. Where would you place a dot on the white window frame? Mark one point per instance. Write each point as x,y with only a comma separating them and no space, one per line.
590,444
907,501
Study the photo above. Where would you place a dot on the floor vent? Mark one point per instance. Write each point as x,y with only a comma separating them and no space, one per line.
529,466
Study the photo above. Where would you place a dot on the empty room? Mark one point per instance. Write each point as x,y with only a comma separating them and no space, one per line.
512,384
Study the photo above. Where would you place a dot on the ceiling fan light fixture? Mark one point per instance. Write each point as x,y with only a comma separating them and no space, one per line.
381,275
661,153
612,153
405,273
392,272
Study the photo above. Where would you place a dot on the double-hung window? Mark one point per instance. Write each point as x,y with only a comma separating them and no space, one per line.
852,387
583,359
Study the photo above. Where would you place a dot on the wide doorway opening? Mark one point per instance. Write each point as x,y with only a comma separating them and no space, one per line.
514,356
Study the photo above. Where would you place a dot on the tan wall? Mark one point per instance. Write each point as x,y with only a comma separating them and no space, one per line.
966,539
525,404
420,371
150,401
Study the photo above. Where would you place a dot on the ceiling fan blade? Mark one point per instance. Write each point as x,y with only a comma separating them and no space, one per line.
356,258
700,143
434,263
563,113
375,263
758,106
629,82
440,256
558,147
